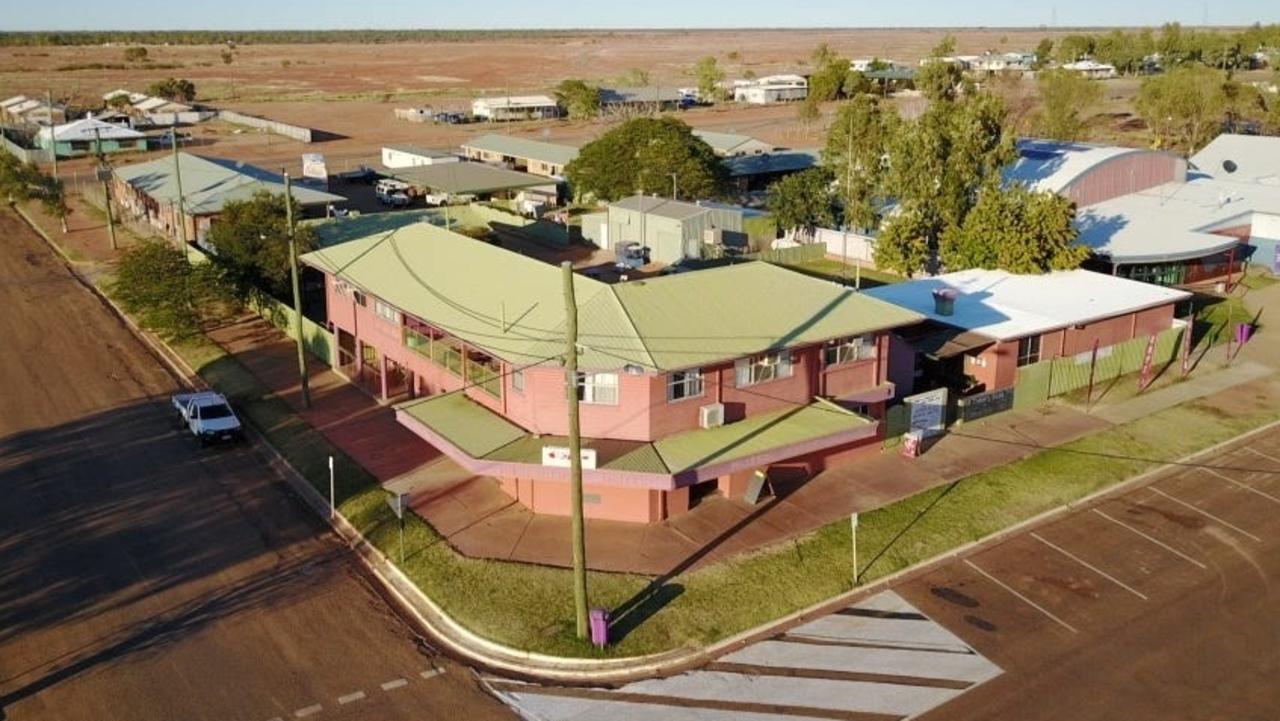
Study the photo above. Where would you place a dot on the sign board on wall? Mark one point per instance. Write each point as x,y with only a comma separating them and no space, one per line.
928,412
558,457
985,404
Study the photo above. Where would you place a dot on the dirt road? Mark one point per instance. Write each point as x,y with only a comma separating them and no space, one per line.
143,578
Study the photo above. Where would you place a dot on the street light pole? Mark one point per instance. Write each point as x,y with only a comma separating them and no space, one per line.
297,293
575,451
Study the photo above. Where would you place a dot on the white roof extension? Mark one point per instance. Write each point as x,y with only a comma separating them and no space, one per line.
1174,221
1241,158
1004,306
83,129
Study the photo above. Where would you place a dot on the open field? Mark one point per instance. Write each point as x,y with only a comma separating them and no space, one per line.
351,89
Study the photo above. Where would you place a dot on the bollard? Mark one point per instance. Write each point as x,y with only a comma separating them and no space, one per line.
600,627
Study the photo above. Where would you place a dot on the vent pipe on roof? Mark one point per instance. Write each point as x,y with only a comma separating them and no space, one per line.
944,301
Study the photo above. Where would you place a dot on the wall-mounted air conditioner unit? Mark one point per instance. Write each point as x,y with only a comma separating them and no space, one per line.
711,415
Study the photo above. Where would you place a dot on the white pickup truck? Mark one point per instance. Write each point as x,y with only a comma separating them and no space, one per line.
208,417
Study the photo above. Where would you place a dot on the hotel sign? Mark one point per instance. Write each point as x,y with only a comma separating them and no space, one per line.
558,457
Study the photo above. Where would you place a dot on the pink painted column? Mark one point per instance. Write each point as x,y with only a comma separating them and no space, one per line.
382,359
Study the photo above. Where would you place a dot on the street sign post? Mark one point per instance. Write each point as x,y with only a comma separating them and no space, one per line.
398,503
853,534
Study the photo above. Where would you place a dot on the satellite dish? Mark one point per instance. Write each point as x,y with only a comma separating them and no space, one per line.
1230,166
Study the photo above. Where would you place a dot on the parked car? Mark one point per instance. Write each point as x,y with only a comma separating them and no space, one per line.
393,193
208,417
630,255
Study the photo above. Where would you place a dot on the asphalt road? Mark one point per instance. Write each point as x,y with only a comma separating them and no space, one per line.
144,578
1158,604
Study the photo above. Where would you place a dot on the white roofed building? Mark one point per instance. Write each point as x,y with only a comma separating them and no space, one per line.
990,325
515,107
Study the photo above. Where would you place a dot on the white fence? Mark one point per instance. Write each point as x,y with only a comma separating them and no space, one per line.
839,244
289,131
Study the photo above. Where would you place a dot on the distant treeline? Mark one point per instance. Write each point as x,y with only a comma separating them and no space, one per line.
261,37
1173,45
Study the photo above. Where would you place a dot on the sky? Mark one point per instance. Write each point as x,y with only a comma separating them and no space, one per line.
493,14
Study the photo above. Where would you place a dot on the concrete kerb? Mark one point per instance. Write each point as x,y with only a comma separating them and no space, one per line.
463,643
441,627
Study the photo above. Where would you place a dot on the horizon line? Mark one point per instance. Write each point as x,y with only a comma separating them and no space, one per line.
747,28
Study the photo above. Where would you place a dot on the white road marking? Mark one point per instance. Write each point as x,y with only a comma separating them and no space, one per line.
1267,456
1245,486
1024,599
1088,565
395,684
432,673
351,698
1153,539
308,711
1206,514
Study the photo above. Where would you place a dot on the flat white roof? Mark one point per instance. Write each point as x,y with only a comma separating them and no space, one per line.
518,101
1174,221
1005,306
1242,158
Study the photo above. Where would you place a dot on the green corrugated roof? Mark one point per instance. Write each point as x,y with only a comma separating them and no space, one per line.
756,434
524,148
482,434
512,305
210,183
467,177
475,430
691,319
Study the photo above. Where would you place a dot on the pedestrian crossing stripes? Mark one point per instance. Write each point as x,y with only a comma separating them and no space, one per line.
877,660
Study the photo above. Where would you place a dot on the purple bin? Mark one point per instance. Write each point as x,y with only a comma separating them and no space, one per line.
600,627
1244,331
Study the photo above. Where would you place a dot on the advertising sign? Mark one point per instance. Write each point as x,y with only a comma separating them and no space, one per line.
558,457
928,412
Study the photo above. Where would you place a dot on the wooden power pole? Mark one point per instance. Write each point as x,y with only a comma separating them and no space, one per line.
105,174
575,451
297,293
53,148
180,209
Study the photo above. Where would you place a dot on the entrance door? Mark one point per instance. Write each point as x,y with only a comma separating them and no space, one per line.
371,368
346,354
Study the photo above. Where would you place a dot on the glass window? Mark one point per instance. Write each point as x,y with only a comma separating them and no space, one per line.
386,312
762,368
485,372
684,384
598,388
848,350
1028,350
517,381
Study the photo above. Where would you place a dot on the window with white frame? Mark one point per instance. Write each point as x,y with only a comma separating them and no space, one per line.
598,388
684,384
1028,350
386,312
762,368
848,350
